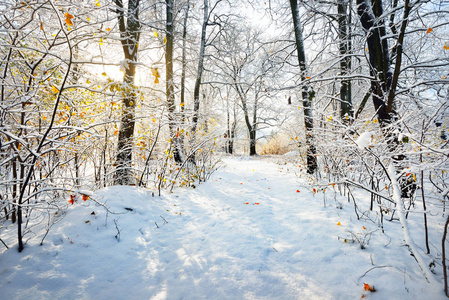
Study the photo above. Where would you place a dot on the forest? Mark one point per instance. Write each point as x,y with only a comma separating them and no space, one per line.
163,97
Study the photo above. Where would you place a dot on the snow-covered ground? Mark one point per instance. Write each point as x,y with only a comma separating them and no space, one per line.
254,231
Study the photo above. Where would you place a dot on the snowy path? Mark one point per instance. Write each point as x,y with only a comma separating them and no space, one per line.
219,247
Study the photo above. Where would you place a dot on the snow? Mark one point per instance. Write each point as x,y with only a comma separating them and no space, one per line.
124,65
254,231
364,140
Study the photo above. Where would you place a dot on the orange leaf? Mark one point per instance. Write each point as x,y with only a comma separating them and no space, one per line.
85,197
42,25
367,287
71,201
257,203
246,202
68,19
297,191
314,190
339,224
429,30
446,47
364,227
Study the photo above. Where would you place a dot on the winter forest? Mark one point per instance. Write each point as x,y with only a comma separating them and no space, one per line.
224,149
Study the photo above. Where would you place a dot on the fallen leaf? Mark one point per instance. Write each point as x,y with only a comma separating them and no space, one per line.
257,203
339,224
367,287
297,191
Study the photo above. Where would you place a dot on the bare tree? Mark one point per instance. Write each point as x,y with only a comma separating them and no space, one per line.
307,92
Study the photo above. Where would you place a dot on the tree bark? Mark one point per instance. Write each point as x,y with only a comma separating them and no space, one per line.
307,93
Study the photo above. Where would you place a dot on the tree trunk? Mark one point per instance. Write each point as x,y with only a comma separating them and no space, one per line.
176,146
379,57
252,142
346,109
384,85
129,33
307,93
184,64
196,92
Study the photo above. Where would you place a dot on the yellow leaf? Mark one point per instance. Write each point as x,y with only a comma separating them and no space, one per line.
54,89
414,177
375,121
101,41
154,120
97,3
181,104
155,33
329,118
108,29
165,40
446,47
339,224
